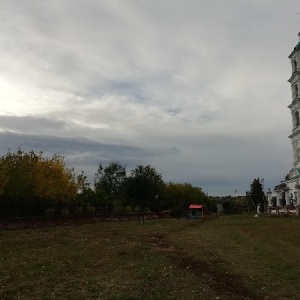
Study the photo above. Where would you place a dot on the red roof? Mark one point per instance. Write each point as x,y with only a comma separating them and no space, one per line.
195,206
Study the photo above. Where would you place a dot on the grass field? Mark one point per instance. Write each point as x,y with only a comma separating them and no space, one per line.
229,257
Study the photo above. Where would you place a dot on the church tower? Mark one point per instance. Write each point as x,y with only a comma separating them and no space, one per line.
288,192
295,105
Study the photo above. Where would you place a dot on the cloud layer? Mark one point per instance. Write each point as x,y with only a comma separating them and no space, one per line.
197,89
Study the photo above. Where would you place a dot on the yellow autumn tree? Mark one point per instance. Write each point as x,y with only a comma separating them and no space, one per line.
28,177
54,181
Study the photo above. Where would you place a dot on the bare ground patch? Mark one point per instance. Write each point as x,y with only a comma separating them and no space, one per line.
223,283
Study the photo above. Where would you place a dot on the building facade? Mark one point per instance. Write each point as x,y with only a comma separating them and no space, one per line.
288,191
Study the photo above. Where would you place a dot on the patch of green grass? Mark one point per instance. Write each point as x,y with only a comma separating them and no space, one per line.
229,257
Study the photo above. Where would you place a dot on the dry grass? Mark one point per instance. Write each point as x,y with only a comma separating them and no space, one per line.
233,257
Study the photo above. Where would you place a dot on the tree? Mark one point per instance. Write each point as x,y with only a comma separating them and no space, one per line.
82,183
257,193
109,183
179,196
144,188
3,178
53,181
30,178
85,194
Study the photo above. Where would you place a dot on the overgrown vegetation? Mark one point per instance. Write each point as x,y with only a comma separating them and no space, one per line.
34,185
232,257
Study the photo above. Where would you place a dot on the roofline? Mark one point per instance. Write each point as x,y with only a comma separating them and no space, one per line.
195,206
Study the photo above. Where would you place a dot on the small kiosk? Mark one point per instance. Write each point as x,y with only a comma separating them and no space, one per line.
196,211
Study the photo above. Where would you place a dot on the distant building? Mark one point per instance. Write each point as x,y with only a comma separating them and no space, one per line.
288,191
196,211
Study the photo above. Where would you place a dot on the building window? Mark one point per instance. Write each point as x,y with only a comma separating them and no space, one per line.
296,91
296,115
295,65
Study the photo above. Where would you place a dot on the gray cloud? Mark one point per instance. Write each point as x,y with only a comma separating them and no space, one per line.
30,123
85,79
82,153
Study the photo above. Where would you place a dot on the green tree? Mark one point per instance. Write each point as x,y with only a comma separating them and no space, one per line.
85,194
257,193
109,183
144,188
87,197
82,182
178,197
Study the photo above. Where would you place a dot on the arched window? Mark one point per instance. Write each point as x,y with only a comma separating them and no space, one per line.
296,91
296,116
295,65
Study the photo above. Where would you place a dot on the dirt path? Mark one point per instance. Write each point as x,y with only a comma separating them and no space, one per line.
225,285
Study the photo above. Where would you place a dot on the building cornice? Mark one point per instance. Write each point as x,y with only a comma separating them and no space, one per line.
291,180
293,103
293,76
294,133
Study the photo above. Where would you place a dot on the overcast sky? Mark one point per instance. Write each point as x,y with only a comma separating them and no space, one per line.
197,89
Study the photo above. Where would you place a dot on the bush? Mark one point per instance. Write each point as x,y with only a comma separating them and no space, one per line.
91,210
78,210
177,212
49,212
65,212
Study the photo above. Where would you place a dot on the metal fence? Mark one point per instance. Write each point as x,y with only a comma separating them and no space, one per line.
13,215
20,210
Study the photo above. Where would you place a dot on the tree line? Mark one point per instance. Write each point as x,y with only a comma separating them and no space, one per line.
31,184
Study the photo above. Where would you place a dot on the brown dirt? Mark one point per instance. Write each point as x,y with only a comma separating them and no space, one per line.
223,283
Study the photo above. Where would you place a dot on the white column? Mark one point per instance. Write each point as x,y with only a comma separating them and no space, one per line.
287,196
278,197
297,194
269,193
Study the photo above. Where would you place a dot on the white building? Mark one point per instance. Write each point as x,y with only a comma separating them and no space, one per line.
288,192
